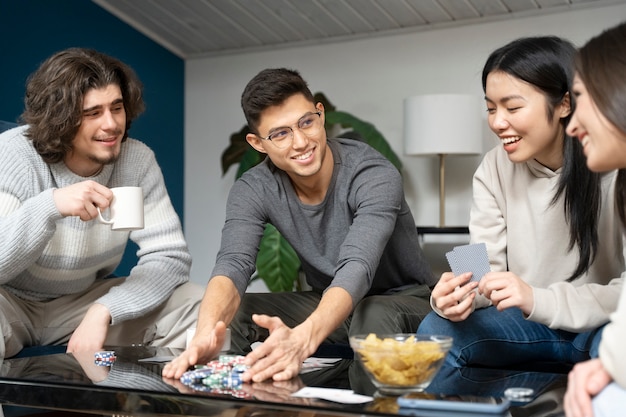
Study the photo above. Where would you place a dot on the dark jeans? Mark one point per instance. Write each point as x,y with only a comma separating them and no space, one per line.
493,338
400,312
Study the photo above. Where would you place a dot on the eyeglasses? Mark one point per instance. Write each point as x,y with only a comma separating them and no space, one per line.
310,125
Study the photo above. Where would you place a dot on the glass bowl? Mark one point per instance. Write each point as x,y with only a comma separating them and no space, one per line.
401,362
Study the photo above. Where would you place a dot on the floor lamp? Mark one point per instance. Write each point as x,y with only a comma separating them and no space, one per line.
442,125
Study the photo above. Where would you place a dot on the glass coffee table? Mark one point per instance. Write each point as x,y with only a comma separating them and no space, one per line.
81,385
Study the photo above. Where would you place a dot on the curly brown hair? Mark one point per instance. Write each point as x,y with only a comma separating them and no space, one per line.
55,93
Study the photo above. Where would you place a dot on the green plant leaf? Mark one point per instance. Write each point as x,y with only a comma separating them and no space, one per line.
235,151
250,158
367,132
277,263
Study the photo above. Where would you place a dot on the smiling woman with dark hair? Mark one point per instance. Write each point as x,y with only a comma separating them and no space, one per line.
600,124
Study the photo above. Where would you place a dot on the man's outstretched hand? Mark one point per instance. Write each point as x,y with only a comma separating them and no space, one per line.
202,349
280,357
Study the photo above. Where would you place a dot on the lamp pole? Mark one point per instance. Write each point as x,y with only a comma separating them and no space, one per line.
442,189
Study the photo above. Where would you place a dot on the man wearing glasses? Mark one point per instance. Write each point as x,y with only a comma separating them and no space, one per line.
341,205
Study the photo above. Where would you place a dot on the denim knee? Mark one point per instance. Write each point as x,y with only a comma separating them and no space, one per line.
433,324
595,343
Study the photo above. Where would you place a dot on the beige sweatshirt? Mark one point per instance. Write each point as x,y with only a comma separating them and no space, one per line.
613,341
524,234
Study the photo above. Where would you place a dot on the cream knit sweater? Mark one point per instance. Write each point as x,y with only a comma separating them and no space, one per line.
524,234
44,255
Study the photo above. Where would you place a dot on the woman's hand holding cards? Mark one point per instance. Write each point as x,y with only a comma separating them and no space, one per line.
454,296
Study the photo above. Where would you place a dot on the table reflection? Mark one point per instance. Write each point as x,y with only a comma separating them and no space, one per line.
129,373
546,400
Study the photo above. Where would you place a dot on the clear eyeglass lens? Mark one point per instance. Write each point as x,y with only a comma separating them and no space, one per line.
309,125
280,136
307,121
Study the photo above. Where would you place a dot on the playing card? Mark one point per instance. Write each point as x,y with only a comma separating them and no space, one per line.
470,258
454,264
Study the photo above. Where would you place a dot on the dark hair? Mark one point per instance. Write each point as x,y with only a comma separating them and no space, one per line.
547,63
55,93
601,65
271,87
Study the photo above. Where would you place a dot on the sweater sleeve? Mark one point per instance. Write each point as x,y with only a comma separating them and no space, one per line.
559,305
164,260
27,215
376,196
613,341
488,217
25,232
241,234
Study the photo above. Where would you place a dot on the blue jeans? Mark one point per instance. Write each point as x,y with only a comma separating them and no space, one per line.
493,338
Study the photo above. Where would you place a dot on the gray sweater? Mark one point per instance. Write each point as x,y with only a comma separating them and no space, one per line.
361,238
44,255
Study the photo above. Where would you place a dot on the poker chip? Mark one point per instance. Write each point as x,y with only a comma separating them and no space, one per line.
104,358
519,394
240,368
105,354
240,394
221,376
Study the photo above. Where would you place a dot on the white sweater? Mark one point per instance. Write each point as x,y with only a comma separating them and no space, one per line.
524,234
613,341
44,255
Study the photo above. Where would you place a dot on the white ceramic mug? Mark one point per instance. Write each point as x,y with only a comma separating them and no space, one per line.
126,209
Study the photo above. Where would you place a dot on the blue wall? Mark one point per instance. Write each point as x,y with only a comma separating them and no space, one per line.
32,30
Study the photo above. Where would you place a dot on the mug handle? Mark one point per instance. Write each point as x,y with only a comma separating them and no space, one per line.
102,219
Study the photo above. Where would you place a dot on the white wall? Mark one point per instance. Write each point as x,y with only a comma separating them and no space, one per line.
370,79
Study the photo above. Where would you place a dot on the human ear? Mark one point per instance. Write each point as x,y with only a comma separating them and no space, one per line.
255,142
565,107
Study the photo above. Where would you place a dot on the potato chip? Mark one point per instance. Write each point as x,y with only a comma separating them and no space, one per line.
401,362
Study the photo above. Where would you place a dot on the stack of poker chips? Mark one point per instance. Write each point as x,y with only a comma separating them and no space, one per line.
104,358
221,376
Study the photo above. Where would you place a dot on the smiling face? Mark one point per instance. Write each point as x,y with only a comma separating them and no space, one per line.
306,159
604,145
518,114
99,137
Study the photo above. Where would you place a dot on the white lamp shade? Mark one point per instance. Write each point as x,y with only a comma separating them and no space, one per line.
442,124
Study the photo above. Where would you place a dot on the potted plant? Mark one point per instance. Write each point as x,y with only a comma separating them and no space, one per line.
277,263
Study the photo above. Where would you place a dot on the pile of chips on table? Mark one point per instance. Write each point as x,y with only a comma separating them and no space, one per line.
221,376
104,358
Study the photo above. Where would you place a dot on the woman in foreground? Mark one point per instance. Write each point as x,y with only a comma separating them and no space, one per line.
598,387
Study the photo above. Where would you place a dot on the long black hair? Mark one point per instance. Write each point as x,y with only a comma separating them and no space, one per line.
601,65
546,62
